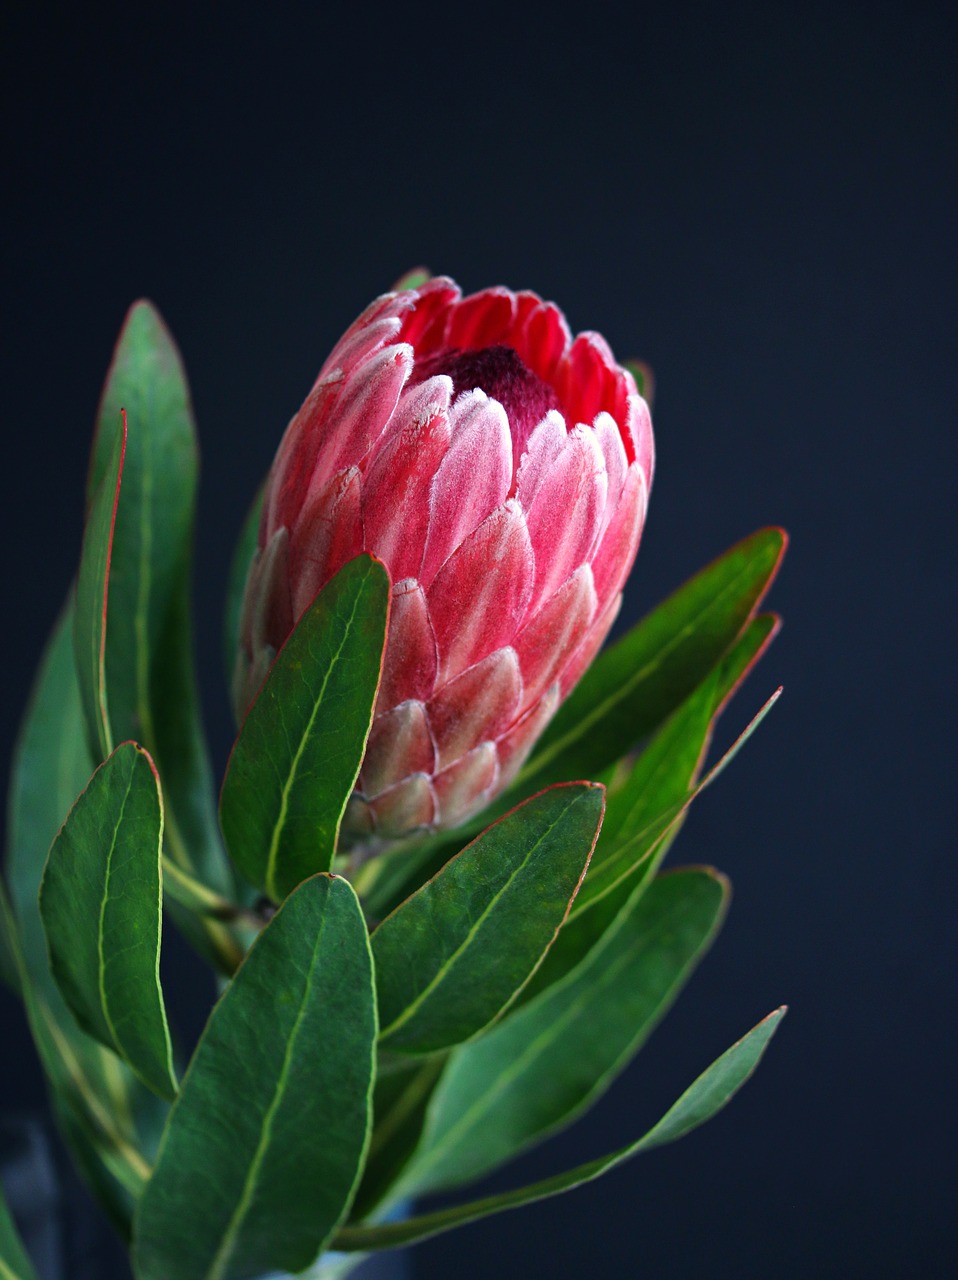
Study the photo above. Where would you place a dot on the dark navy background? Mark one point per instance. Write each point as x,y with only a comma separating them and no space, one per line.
759,201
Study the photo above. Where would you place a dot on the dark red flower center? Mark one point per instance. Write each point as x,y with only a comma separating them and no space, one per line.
502,375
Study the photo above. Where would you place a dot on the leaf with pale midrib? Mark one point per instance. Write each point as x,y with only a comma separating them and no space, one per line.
101,904
297,757
264,1146
704,1098
456,954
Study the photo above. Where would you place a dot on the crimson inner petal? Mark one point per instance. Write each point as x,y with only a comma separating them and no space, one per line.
502,375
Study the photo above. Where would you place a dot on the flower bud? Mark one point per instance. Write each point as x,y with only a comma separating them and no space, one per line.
501,472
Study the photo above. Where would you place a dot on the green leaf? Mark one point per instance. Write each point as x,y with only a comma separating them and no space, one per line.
264,1145
89,634
101,903
546,1063
400,1100
148,659
635,685
640,810
457,953
297,757
14,1263
713,1089
236,586
93,1093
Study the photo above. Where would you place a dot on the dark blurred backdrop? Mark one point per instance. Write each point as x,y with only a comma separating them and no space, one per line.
759,201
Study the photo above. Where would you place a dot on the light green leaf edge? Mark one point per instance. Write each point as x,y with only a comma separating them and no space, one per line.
92,591
704,1098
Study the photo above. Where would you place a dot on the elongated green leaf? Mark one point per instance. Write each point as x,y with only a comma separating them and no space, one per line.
107,1116
641,809
239,571
298,753
456,954
547,1062
14,1263
704,1098
101,903
264,1145
148,657
635,685
89,634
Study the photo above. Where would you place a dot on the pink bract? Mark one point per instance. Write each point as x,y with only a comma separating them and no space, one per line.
501,471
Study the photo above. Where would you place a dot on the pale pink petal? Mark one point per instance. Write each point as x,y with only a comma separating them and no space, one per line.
296,460
477,705
609,436
328,533
482,320
514,746
551,635
472,480
411,662
422,400
465,786
408,805
386,307
639,437
399,744
566,514
620,542
366,403
354,347
544,446
590,646
396,494
480,595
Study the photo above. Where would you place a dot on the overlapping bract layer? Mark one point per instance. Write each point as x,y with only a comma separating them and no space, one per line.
501,471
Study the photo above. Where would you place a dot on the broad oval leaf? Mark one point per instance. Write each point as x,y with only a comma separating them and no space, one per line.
263,1147
704,1098
101,904
548,1061
93,581
632,687
456,954
297,757
14,1263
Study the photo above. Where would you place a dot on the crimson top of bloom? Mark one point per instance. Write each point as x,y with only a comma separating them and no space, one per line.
500,469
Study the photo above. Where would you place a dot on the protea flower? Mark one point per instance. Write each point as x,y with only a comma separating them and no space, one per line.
501,471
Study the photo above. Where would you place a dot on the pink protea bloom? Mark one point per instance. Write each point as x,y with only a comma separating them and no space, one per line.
501,472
